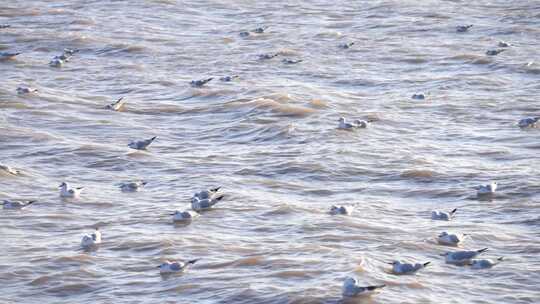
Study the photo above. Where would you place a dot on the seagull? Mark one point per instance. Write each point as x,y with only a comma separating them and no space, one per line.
487,189
463,28
352,289
91,240
244,34
529,122
267,56
204,204
343,210
141,144
56,62
494,52
406,268
228,78
462,257
450,239
362,124
66,191
9,169
344,125
172,267
200,83
503,44
7,55
179,216
419,96
484,263
132,186
3,26
71,52
205,194
117,105
291,61
260,30
345,46
442,216
16,204
26,90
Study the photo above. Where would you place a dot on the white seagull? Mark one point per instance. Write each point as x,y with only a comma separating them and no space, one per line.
484,263
91,240
462,258
442,216
132,186
67,191
345,46
450,239
352,289
503,44
16,204
26,90
183,216
399,267
530,122
343,210
419,96
141,144
9,169
463,28
204,204
173,267
117,105
204,194
487,189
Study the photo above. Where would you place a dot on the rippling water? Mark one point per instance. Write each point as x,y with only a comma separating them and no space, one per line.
269,139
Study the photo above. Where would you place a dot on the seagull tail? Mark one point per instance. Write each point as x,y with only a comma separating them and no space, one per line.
375,287
30,203
500,258
482,250
427,263
216,189
219,198
453,211
153,138
193,261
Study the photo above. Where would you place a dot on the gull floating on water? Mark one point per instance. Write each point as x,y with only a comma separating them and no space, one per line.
484,190
7,55
442,216
3,26
132,186
357,124
56,62
462,257
26,90
16,204
9,169
182,216
200,83
530,122
205,194
198,204
419,96
484,263
91,240
228,78
352,289
173,267
494,52
260,30
345,46
343,210
463,28
504,44
291,61
117,105
450,239
399,267
268,56
141,144
67,191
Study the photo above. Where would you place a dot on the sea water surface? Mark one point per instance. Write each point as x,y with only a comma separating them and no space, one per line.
269,138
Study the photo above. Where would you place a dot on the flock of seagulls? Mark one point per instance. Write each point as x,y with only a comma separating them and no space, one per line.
207,199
